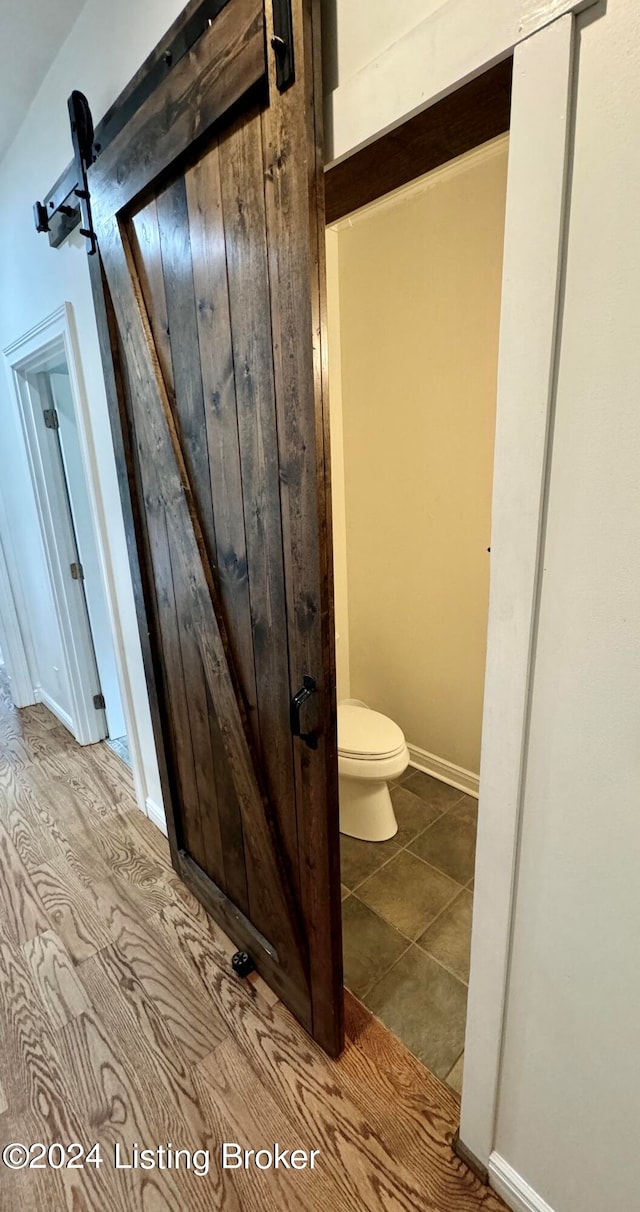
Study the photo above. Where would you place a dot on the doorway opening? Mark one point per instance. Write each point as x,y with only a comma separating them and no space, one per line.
414,287
86,696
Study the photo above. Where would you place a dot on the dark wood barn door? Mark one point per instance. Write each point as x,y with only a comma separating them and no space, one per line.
209,280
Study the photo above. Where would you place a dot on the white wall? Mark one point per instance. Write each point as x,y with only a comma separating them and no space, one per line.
105,47
570,1094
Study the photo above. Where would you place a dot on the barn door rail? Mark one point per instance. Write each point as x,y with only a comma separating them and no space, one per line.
63,208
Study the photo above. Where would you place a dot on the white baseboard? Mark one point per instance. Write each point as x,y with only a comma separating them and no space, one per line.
156,816
447,772
513,1189
41,696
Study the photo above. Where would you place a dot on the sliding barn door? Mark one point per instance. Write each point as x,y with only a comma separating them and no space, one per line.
208,213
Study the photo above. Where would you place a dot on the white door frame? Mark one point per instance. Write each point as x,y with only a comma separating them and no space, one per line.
29,358
460,40
61,324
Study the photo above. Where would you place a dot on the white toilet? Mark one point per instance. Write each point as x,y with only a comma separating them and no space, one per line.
371,750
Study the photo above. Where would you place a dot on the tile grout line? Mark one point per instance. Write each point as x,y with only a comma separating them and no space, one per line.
438,870
444,909
456,894
372,873
413,942
374,985
411,852
442,965
386,972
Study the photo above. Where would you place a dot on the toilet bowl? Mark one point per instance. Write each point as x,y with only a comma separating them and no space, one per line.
371,750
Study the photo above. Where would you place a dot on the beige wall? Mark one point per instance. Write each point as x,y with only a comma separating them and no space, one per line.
415,375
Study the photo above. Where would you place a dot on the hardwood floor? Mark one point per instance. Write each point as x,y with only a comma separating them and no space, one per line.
121,1022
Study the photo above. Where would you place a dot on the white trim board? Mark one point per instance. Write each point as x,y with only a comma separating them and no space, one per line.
156,816
516,1193
539,152
446,772
457,41
41,696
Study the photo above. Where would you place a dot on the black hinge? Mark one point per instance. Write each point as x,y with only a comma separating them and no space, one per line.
50,418
98,702
77,572
282,43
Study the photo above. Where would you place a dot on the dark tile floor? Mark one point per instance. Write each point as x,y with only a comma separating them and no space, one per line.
407,920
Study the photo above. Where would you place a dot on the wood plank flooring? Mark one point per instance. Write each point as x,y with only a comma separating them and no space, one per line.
121,1021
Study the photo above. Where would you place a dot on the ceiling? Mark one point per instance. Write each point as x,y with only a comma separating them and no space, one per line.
32,33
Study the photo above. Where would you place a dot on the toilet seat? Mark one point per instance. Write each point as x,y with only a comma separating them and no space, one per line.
366,735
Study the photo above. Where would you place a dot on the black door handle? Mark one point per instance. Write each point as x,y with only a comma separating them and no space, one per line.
306,690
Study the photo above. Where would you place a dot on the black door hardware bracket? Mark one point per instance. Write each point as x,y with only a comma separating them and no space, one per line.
282,44
84,151
306,690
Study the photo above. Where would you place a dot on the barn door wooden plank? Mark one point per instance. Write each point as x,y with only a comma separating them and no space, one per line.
183,759
199,728
295,204
148,255
206,227
223,835
242,178
236,860
189,412
168,294
270,895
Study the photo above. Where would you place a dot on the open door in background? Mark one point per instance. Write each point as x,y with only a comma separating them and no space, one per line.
207,208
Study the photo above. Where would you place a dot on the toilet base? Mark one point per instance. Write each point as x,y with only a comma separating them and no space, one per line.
366,811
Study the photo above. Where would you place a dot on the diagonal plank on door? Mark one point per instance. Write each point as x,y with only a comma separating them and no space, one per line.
167,481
